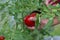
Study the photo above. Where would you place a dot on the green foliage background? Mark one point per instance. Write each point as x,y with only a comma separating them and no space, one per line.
12,13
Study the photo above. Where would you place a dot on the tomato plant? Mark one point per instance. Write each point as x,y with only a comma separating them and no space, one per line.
15,13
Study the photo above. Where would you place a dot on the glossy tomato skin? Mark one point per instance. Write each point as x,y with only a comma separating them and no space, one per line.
29,22
30,19
2,37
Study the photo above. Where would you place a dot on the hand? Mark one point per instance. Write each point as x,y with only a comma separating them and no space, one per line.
45,21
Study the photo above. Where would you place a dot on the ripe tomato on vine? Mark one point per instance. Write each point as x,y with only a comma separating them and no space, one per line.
29,20
2,37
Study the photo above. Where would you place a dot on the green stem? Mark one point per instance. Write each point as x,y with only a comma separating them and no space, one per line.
16,20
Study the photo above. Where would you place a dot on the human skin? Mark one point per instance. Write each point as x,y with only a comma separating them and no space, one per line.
45,21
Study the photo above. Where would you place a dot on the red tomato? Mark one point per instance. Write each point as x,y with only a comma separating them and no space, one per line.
29,20
2,37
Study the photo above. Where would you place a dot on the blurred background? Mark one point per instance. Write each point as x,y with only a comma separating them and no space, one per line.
12,13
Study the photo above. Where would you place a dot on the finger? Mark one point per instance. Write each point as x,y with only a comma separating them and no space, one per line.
56,21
